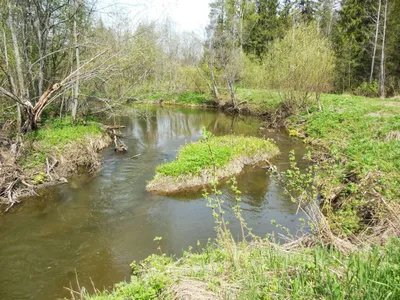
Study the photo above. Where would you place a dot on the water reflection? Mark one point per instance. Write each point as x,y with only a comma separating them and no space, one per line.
96,227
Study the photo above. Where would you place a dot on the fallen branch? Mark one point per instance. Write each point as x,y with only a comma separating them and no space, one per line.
135,156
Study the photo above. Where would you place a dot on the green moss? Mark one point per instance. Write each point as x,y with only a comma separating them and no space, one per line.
218,151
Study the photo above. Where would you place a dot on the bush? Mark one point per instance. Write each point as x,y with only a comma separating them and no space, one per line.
300,64
367,89
189,78
254,75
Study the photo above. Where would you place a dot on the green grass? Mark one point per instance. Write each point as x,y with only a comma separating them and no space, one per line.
56,133
259,100
195,157
159,96
194,98
356,132
352,127
357,127
60,132
260,271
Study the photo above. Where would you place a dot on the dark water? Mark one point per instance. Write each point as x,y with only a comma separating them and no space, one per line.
95,227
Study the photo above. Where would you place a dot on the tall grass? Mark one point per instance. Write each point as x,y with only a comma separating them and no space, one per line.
259,271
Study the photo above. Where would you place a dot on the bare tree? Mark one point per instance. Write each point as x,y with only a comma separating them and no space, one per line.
232,70
382,73
77,60
375,41
20,78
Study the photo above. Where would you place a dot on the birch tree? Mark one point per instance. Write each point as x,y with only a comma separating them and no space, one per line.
375,40
382,76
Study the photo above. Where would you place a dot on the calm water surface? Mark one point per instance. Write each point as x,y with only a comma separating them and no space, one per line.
96,226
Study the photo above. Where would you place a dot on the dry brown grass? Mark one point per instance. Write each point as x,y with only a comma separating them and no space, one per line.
189,289
393,136
84,153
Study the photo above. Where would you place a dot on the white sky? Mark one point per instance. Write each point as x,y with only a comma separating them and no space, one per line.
189,15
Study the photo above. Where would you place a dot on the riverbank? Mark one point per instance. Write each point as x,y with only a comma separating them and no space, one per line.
356,144
262,270
359,158
211,159
49,156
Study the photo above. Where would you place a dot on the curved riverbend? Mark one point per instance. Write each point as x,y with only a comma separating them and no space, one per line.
97,226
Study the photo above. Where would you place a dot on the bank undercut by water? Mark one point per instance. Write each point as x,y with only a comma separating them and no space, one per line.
211,159
48,156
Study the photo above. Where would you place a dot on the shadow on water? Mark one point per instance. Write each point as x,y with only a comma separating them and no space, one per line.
97,226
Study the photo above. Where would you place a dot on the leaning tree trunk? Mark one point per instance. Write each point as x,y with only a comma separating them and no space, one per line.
33,114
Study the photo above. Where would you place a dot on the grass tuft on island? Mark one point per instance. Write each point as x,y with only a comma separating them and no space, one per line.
197,163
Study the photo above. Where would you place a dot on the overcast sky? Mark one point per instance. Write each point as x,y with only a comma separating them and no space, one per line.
189,15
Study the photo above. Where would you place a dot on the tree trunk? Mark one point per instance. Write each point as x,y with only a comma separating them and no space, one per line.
21,83
231,93
20,77
375,41
76,88
318,97
214,83
382,75
41,54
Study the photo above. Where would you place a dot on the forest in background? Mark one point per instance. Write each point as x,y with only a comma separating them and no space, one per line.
58,56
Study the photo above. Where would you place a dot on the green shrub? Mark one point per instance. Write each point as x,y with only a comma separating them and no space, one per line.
367,89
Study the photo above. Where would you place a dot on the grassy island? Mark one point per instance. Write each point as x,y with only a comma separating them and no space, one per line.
214,158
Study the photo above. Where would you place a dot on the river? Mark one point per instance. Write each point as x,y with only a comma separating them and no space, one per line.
93,227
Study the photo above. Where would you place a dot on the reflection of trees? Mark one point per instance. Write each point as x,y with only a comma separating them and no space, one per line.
254,185
156,127
223,124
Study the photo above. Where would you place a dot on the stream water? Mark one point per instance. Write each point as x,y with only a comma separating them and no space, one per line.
94,227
